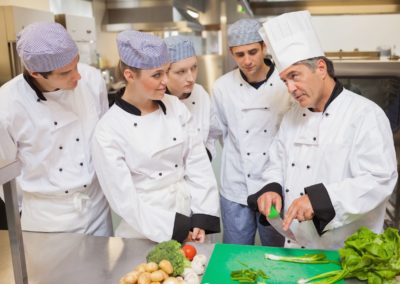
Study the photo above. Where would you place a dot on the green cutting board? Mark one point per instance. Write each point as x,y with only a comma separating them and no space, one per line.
226,258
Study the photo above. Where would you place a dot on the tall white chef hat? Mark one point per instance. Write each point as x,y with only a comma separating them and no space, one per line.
141,50
44,47
179,48
291,38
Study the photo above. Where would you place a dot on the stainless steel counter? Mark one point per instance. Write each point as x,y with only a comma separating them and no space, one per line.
77,259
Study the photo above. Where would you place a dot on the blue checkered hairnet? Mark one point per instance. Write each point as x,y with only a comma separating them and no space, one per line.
44,47
244,31
141,50
179,47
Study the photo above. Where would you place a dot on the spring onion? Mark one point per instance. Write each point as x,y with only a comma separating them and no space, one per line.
307,258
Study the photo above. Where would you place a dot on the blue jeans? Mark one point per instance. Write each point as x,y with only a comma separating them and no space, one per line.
240,224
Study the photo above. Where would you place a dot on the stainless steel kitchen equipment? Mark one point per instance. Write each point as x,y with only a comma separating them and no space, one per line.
15,19
9,170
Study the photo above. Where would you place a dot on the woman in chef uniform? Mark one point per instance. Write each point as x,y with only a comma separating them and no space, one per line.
49,112
182,75
151,163
333,161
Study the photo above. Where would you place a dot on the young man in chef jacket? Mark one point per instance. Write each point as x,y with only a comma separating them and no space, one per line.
182,75
50,112
247,107
333,165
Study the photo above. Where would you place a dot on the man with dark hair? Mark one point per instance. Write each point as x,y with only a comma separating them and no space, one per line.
49,113
247,105
333,165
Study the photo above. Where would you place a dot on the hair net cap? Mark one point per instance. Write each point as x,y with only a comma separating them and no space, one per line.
179,48
44,47
244,31
291,38
141,50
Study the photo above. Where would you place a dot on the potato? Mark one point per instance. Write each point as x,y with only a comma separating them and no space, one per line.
130,278
165,274
155,283
166,266
171,280
157,276
151,267
144,278
141,267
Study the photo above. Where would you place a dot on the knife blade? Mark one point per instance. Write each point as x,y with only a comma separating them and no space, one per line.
276,221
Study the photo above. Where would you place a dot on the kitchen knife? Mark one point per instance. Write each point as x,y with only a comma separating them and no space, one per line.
276,221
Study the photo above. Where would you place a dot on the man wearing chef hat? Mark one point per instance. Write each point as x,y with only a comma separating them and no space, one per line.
247,107
50,112
333,165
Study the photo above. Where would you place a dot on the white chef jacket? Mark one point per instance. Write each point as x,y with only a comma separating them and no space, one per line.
247,119
155,172
198,104
52,131
349,150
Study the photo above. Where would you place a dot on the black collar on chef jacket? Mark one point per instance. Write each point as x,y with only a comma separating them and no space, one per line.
256,85
183,97
337,90
31,83
131,108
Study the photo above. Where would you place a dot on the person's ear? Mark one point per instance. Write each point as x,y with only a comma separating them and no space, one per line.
129,75
36,75
322,67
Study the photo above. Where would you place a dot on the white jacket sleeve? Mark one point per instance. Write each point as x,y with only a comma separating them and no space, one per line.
373,170
218,122
114,176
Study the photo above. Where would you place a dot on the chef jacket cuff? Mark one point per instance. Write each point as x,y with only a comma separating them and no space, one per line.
210,224
182,226
322,206
252,199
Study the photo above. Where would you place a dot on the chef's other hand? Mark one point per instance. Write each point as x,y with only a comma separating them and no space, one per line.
265,201
300,209
198,235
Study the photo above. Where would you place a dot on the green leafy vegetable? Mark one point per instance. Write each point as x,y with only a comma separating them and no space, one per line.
307,258
171,251
367,256
249,275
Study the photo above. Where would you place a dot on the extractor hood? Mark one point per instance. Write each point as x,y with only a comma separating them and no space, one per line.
151,15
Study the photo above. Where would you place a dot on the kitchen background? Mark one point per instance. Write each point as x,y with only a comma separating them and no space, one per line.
363,38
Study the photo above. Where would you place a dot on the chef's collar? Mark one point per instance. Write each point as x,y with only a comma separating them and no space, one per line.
337,90
119,101
183,97
256,85
28,78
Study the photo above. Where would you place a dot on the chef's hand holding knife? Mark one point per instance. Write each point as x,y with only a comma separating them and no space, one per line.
300,209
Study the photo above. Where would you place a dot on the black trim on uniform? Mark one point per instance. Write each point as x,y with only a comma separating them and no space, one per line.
252,199
322,206
182,226
337,90
31,83
256,85
119,101
209,154
210,224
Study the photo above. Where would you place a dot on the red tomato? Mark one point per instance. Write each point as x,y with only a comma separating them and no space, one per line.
190,251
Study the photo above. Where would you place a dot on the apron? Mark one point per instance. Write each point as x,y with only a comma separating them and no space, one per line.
80,210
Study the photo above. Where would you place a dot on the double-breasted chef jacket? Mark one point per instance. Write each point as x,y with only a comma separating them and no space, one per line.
343,158
198,104
52,131
155,172
247,119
